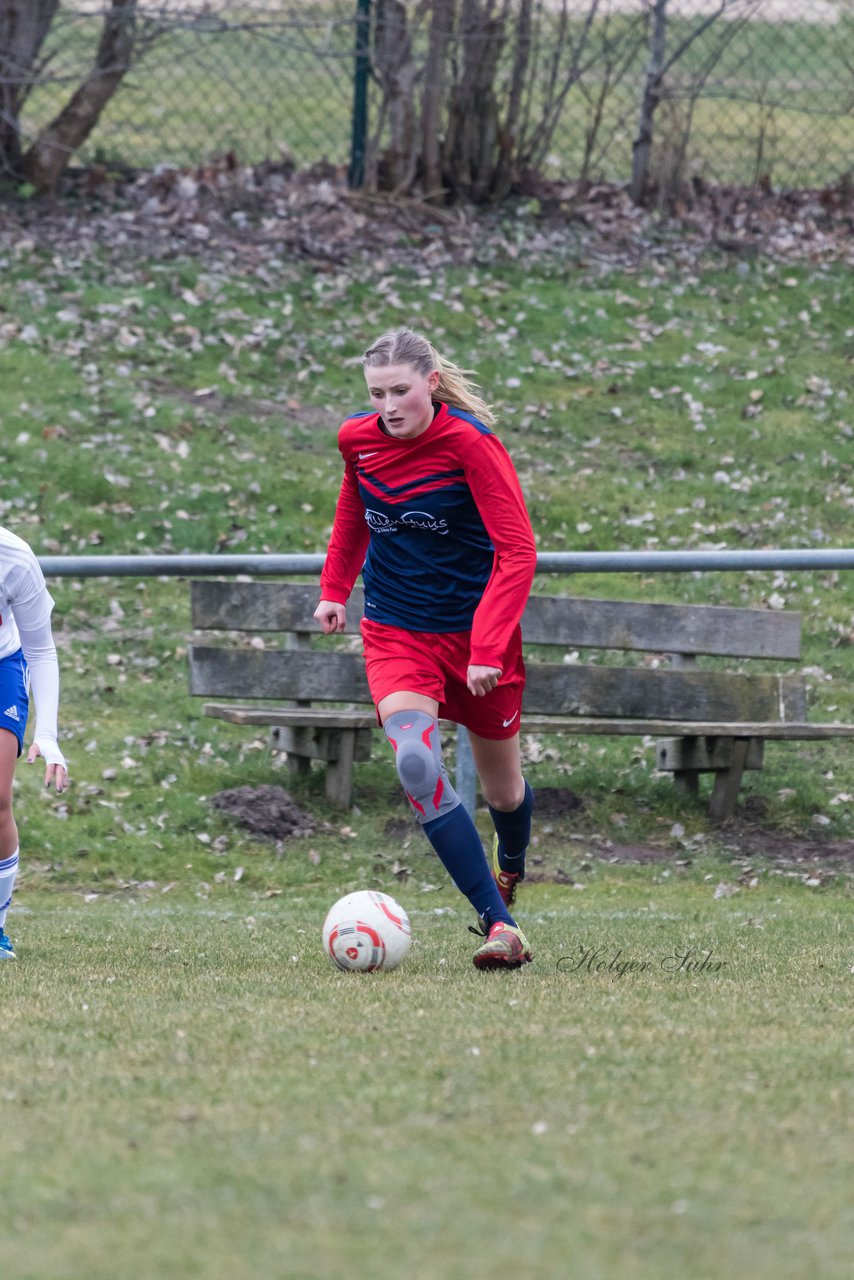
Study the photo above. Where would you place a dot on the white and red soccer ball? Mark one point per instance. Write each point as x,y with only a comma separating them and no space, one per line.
366,930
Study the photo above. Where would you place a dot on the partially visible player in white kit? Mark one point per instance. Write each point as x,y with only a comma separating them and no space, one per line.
27,661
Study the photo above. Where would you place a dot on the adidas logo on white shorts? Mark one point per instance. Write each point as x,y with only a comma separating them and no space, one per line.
12,713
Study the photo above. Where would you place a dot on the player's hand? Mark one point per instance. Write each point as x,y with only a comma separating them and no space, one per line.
331,616
482,680
55,771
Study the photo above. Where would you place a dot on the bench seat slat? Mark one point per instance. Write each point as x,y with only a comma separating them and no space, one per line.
327,718
793,730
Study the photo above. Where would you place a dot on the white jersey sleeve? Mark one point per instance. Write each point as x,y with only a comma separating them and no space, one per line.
25,609
24,597
43,668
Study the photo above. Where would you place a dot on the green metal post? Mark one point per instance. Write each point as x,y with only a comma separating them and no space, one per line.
356,175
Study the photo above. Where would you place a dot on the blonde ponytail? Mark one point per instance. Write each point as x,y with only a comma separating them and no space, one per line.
456,388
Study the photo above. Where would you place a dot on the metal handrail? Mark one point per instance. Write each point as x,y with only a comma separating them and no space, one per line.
718,560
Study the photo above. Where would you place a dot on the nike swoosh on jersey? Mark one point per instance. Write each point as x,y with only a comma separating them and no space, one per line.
360,456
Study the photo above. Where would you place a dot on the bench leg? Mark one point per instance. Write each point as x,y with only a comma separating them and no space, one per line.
727,783
687,781
280,741
298,765
339,773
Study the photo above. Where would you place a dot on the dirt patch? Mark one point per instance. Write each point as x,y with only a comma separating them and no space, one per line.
743,840
797,852
556,802
266,811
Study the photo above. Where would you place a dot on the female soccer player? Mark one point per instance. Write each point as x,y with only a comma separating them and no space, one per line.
432,513
27,658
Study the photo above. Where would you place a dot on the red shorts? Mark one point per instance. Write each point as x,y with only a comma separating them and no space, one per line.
435,664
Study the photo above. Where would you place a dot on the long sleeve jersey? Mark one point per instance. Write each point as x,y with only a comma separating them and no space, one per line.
438,527
25,609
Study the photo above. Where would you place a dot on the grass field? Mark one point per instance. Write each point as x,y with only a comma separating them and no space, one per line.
192,1089
206,1096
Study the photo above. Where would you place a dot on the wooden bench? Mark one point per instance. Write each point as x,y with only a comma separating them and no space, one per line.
706,719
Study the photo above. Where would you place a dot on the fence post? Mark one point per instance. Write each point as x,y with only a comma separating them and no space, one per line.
358,147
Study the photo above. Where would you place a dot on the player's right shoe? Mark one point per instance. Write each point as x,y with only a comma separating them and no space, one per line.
506,880
506,947
7,951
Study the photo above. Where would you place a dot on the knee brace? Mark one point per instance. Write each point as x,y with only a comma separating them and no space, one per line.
420,767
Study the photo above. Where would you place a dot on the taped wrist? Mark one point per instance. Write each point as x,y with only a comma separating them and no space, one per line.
50,752
414,735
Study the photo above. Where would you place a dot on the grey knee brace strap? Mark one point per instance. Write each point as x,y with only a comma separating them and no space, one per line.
418,756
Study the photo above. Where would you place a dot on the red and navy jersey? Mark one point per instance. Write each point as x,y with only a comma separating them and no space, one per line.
438,526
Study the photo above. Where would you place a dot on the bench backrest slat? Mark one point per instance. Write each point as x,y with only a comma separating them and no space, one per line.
277,674
661,628
571,622
261,606
664,694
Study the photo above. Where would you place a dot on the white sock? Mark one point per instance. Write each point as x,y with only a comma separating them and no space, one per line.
8,871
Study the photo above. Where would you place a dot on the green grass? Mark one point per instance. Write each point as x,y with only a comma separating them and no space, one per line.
230,1105
177,406
184,1097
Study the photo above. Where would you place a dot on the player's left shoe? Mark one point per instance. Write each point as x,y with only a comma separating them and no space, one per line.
506,880
7,951
506,947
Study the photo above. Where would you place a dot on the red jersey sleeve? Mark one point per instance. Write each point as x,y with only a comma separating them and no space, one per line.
495,487
348,543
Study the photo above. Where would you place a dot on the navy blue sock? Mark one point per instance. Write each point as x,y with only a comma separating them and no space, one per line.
514,834
458,844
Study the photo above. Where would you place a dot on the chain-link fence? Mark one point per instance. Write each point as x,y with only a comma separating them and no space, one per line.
211,77
733,91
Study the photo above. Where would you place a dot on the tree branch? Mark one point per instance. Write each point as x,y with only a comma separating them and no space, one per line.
51,151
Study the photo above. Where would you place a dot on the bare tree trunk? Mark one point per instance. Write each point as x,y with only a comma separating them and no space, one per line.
397,72
23,27
642,146
508,140
50,153
473,128
441,25
659,66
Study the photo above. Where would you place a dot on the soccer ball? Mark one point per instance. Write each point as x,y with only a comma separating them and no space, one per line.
366,930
